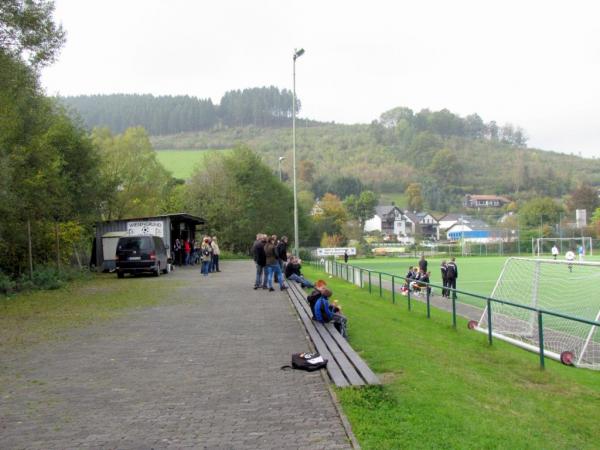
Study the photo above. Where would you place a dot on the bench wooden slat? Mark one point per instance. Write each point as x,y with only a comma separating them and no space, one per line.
335,372
345,364
360,365
347,360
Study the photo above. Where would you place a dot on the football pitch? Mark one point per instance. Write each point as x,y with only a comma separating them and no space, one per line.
476,274
559,290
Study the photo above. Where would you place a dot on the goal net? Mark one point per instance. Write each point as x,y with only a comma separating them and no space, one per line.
543,246
569,289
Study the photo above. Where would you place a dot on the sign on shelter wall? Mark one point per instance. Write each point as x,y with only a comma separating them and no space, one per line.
336,251
145,228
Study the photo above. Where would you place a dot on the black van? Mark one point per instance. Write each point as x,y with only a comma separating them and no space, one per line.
138,254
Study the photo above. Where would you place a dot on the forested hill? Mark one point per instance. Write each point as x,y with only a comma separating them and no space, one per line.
448,155
387,158
264,107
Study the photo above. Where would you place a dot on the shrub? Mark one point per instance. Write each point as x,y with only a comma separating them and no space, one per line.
7,285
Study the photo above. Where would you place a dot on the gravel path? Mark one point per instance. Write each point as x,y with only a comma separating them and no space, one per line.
200,373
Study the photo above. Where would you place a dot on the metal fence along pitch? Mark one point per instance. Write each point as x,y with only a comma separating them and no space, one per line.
337,269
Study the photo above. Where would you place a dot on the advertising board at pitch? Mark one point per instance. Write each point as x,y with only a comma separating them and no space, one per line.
336,251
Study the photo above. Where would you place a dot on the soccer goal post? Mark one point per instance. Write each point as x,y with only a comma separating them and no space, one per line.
543,246
570,289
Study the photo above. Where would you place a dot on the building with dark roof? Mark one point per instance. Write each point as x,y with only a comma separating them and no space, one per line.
168,227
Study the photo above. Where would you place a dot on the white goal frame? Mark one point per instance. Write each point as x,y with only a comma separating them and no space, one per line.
585,241
482,323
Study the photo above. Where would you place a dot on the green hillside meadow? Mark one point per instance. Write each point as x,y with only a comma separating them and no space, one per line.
182,163
447,388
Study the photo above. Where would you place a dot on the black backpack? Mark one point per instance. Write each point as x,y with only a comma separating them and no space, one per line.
206,252
307,361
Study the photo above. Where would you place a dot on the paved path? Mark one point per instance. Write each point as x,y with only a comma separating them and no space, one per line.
200,373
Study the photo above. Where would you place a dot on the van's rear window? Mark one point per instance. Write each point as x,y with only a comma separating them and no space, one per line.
135,243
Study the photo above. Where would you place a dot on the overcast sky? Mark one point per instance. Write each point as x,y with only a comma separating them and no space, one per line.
535,64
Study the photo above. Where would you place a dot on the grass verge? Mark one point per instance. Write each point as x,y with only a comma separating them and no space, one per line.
32,317
447,388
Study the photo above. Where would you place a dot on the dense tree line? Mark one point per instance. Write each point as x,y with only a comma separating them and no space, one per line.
163,115
50,168
444,123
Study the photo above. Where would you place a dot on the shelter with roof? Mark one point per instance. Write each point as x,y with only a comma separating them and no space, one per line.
169,227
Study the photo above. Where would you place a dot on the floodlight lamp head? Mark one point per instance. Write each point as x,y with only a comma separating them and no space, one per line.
281,158
298,53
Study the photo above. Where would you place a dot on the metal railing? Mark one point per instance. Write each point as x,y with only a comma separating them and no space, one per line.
340,269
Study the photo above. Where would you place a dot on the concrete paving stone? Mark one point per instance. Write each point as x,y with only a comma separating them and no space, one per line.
200,372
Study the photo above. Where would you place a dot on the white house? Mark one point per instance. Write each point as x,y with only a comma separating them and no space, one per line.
389,220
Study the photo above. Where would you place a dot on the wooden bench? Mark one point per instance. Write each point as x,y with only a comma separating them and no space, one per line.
345,366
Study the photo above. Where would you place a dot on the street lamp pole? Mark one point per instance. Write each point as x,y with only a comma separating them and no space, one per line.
281,158
297,54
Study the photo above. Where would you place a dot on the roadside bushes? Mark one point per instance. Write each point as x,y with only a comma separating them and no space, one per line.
43,277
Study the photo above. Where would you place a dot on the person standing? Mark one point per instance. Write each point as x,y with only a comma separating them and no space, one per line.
423,264
187,249
273,264
205,255
451,276
580,252
346,256
177,251
260,260
570,257
281,251
444,270
215,255
554,251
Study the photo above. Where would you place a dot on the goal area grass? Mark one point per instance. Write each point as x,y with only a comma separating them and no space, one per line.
447,388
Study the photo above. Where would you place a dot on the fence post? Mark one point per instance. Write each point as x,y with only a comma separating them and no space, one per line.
541,338
428,305
380,291
408,296
393,290
369,282
489,317
454,311
361,278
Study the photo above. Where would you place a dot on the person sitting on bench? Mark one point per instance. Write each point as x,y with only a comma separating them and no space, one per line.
324,312
414,283
292,272
423,282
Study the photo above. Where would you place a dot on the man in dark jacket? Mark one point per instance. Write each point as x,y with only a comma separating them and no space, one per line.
451,276
260,260
281,252
423,264
292,272
444,270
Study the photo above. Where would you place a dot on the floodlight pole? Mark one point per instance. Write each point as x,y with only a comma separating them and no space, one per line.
281,158
297,54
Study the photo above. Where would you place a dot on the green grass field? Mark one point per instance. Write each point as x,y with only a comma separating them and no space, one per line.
447,388
476,275
182,163
558,290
